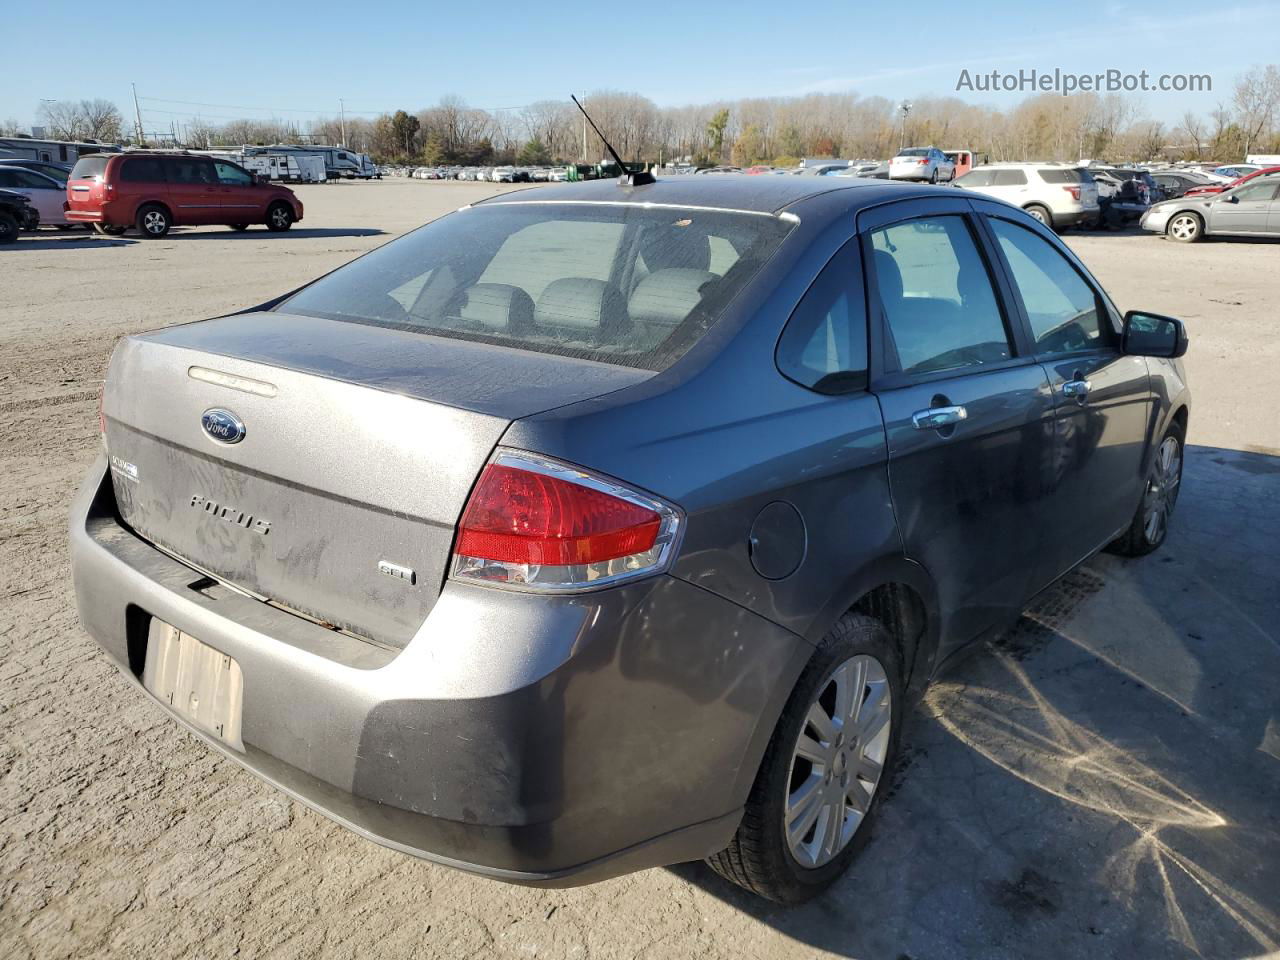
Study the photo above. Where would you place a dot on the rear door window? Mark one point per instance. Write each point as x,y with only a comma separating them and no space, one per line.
190,170
1009,178
142,170
1063,309
939,305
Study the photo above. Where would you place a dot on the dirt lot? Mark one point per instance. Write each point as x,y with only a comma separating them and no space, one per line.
1103,782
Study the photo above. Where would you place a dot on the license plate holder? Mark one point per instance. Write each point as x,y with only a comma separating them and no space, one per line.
203,686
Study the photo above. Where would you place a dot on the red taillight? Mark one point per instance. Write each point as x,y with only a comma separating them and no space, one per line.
1074,191
924,161
542,524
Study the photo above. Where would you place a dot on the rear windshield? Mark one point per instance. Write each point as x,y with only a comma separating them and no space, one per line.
914,152
615,283
89,168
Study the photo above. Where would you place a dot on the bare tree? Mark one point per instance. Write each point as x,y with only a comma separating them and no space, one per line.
1193,129
11,128
1256,99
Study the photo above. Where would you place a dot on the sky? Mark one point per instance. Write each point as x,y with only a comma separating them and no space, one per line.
297,61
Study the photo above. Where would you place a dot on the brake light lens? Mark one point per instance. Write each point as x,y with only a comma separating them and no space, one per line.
1074,191
539,524
924,161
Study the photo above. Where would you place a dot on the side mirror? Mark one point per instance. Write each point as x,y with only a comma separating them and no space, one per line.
1151,335
1231,198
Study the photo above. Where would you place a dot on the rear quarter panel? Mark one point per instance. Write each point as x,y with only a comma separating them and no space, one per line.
723,434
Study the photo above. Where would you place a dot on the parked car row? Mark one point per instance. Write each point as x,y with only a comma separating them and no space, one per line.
500,174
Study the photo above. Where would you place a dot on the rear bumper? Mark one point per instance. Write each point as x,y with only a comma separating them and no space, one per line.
536,740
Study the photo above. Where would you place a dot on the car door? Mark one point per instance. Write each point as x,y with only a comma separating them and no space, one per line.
240,195
1244,210
1101,397
45,194
966,409
1273,217
193,190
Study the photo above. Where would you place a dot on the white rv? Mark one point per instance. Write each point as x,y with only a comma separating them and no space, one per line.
50,151
287,167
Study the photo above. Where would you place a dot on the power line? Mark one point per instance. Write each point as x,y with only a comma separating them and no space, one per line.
242,106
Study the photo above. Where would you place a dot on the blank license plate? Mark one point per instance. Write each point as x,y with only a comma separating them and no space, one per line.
199,684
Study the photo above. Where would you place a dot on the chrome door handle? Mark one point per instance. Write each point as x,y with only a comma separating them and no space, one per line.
1077,389
935,418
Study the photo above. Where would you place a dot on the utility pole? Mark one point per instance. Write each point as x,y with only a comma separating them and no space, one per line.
137,116
585,157
905,107
342,112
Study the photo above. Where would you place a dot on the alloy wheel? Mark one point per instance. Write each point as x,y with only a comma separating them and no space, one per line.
153,221
280,217
1162,490
1184,227
838,761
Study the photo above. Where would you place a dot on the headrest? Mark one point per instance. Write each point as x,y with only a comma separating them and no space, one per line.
590,306
888,278
498,306
668,296
668,247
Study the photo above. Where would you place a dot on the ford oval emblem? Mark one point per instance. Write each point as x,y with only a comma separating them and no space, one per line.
222,425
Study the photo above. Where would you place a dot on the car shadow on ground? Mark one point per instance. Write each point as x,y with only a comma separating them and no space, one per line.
66,241
1100,781
260,233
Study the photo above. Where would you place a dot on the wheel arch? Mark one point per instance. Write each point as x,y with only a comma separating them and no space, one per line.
163,205
900,594
893,590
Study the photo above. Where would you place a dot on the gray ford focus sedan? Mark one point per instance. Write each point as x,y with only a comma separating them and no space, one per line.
603,526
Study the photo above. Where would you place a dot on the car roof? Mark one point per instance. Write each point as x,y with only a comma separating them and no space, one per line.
738,192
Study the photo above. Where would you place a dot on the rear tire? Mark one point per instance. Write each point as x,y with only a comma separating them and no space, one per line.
279,217
933,177
153,222
8,228
1040,213
1150,525
853,672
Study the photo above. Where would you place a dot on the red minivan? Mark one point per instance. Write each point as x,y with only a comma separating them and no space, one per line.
156,191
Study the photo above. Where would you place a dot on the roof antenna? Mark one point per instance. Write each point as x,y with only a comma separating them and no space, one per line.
638,179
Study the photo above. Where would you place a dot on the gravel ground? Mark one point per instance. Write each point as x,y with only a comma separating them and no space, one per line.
1102,782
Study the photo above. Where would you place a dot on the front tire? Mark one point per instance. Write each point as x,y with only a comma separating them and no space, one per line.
279,217
1184,228
825,769
8,228
1150,525
153,222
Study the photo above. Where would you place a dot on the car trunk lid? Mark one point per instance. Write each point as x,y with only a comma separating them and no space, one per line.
360,446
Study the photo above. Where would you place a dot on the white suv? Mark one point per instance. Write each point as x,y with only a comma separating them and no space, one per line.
1057,194
922,163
